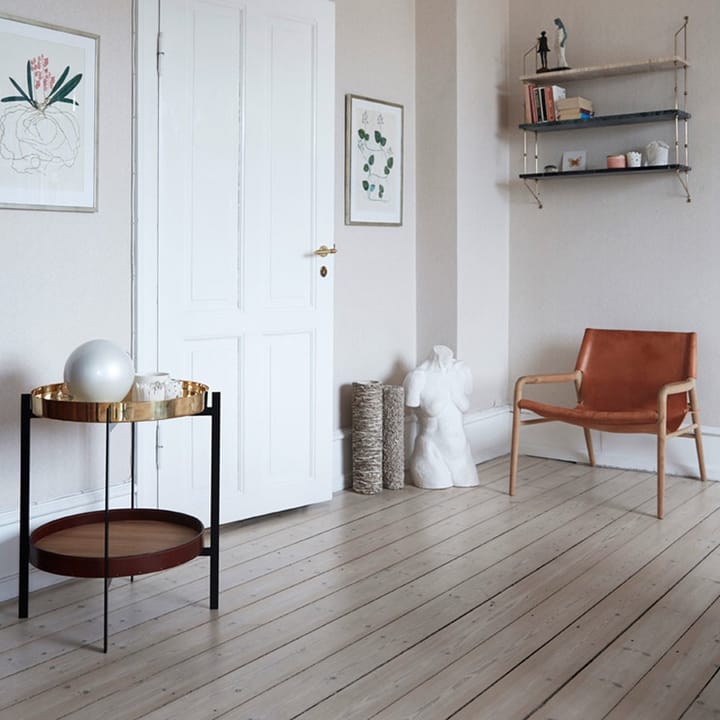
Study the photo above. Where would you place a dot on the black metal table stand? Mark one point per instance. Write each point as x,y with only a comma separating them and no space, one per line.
212,550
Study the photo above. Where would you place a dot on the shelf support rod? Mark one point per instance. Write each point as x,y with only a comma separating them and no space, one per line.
535,192
683,178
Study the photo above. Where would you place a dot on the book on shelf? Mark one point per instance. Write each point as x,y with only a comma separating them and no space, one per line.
541,102
575,114
575,103
529,103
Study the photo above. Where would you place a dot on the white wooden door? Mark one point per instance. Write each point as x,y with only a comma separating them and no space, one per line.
246,134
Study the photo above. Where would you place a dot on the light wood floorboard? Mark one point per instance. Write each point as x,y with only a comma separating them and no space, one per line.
568,601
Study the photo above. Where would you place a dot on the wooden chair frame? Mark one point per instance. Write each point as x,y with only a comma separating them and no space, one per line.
691,430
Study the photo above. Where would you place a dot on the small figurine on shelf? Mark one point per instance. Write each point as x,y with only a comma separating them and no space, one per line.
560,43
542,49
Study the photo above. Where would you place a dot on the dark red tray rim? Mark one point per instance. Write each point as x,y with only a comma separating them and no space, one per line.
119,566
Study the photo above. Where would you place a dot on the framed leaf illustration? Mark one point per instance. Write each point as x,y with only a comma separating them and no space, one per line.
48,117
373,162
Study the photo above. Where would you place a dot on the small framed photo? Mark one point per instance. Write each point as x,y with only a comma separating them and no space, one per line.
573,160
373,162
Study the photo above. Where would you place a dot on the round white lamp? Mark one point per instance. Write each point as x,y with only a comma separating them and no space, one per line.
99,371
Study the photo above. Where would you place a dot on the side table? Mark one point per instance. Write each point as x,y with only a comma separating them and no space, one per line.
117,542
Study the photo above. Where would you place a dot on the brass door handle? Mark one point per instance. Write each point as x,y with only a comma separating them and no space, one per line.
324,251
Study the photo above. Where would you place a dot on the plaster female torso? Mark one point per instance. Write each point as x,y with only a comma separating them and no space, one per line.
440,389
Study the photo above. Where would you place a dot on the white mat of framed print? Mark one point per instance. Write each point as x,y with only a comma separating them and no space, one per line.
373,162
48,117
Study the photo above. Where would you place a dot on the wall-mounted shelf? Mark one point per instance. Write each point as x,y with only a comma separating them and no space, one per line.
602,71
677,115
636,118
607,171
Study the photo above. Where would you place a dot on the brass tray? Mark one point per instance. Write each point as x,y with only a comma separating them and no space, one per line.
54,402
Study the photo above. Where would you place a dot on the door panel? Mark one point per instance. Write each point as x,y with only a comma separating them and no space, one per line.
246,133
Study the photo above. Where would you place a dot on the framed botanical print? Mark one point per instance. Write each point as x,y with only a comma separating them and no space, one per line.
48,117
373,162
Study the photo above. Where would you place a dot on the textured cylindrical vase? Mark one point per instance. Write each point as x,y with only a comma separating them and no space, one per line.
393,457
367,441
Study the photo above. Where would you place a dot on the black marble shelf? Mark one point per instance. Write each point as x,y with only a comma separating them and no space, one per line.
607,171
650,116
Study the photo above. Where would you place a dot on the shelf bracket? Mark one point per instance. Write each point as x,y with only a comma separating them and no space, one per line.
535,192
682,177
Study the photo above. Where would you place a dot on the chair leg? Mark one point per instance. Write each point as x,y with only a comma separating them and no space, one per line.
695,415
514,448
661,475
590,449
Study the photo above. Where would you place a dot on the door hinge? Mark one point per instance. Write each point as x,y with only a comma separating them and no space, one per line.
158,447
160,53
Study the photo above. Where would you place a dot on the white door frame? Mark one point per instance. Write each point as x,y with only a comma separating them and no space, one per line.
146,21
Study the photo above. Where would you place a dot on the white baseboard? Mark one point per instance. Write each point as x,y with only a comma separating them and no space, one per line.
41,513
560,441
488,432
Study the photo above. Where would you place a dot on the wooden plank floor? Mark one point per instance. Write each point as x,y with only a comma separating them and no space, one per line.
570,600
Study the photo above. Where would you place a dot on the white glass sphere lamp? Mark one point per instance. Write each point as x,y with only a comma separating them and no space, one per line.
99,371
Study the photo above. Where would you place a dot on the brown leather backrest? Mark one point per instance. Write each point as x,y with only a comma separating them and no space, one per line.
624,369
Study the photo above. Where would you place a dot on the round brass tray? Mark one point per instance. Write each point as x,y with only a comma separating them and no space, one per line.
141,540
54,402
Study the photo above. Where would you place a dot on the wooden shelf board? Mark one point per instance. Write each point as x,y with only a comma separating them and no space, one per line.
637,118
607,171
597,71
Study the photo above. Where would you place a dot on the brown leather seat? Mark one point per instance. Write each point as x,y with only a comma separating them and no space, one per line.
627,381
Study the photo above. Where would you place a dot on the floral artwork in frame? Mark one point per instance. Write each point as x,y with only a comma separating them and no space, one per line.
48,117
373,162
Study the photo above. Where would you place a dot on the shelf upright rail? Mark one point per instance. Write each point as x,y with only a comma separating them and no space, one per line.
534,190
682,176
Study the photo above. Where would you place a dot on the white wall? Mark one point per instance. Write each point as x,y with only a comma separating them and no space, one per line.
483,218
462,209
375,266
437,165
66,278
624,252
620,252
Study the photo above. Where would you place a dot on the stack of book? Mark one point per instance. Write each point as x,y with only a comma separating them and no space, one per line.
574,108
541,102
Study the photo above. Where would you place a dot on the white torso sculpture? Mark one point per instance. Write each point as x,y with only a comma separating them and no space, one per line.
440,389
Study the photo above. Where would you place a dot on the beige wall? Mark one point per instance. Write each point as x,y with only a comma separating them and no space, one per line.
509,285
483,217
619,252
375,266
437,164
66,276
462,208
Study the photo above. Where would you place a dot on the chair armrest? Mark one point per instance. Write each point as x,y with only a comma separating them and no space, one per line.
574,376
675,388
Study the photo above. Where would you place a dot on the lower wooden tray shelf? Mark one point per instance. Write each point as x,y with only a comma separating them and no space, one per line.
141,540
